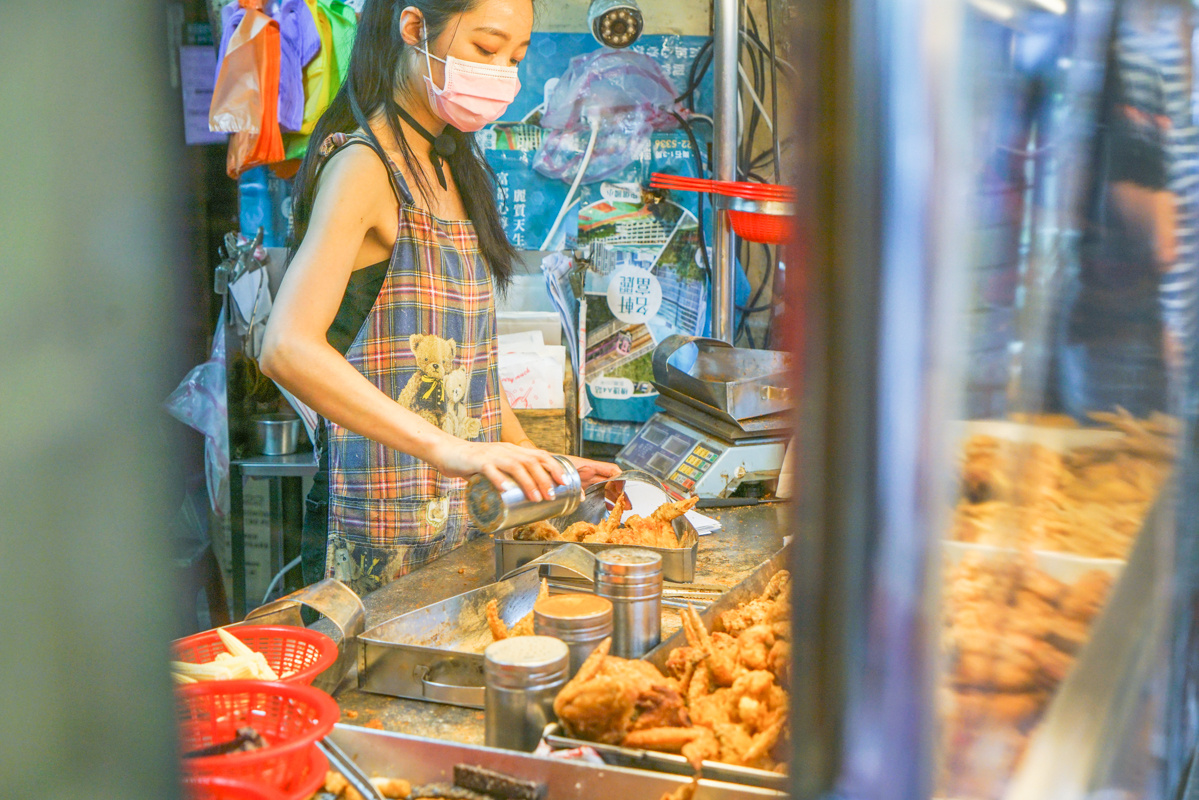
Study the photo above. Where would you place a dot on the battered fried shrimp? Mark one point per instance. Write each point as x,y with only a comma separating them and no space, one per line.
524,627
604,531
753,646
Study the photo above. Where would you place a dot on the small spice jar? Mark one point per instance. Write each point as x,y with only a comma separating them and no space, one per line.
631,578
491,509
580,620
523,675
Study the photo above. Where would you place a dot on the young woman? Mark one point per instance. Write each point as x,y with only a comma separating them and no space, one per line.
385,322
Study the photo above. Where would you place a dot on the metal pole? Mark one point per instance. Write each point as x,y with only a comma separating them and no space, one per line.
726,54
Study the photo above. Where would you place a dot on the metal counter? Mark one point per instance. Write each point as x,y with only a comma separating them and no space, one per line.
749,537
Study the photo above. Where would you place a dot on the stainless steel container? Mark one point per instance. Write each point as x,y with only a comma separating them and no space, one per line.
493,510
277,434
631,578
582,621
523,676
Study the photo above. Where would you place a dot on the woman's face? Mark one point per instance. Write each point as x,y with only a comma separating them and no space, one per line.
494,32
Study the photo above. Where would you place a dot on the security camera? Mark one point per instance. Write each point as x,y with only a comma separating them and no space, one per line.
615,23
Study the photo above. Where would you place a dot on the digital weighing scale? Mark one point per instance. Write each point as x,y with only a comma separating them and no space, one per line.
724,419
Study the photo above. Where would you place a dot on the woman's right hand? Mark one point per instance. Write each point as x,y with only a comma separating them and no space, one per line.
535,471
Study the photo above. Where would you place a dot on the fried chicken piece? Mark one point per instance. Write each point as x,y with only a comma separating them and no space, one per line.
684,792
611,697
656,530
778,661
543,531
1086,597
523,627
579,531
753,646
720,647
608,526
773,606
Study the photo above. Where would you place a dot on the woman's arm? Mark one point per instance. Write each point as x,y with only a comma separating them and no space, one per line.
354,198
512,431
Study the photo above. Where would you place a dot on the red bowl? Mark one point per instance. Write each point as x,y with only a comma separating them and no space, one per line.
290,717
305,653
764,228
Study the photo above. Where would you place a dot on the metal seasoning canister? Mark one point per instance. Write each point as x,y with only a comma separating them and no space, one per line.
632,579
580,620
523,675
492,510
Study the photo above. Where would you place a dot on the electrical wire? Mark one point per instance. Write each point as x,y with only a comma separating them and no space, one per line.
699,169
757,100
574,187
774,96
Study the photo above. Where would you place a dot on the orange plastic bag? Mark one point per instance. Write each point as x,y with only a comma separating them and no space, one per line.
255,48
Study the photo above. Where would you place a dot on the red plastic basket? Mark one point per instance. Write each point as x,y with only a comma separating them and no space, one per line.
764,228
216,787
304,652
290,717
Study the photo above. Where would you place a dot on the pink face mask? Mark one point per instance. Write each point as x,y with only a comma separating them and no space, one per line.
474,94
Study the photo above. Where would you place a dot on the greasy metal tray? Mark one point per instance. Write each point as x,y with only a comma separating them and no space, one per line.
678,563
423,761
436,653
742,383
751,587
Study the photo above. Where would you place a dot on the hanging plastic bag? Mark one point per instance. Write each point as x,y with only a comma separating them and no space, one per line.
200,402
237,96
629,97
254,48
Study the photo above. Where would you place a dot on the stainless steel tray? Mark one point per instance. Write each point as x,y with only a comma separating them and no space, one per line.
436,653
742,383
678,563
670,763
749,588
423,761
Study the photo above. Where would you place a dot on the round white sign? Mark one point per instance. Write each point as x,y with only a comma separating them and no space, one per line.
634,294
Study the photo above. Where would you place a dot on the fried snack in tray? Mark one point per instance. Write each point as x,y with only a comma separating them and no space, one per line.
1089,501
723,699
523,627
652,531
1011,635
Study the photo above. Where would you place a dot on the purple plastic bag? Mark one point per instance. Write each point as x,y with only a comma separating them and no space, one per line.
629,96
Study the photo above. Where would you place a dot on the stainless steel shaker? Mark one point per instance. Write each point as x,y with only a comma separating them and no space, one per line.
523,676
491,509
632,579
580,620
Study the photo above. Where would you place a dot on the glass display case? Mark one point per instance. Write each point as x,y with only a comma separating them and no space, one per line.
998,251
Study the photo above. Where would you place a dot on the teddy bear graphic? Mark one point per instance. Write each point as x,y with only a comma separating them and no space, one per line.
436,391
425,390
456,421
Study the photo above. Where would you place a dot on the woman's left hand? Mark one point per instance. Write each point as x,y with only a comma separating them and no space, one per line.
592,472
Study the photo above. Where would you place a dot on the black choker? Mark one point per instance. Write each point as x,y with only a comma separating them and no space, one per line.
444,145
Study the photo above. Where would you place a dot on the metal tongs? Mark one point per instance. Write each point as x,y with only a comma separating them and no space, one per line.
349,769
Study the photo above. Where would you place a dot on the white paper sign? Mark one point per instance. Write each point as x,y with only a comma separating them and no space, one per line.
634,294
621,192
616,388
197,68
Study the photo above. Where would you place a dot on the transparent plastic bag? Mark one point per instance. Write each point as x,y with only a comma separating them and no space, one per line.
200,403
625,93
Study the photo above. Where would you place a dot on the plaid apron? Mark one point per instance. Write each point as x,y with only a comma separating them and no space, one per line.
429,343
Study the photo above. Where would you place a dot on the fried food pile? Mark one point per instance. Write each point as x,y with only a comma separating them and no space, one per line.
523,627
1011,635
652,531
1090,501
723,699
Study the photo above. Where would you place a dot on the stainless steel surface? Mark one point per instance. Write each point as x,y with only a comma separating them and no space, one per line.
349,769
277,434
719,424
580,621
756,532
423,761
296,465
421,653
523,676
567,561
678,563
631,578
670,763
492,509
742,383
726,55
338,604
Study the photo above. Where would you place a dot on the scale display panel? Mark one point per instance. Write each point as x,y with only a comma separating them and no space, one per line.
670,453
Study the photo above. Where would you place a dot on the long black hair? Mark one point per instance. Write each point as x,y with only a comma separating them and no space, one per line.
381,65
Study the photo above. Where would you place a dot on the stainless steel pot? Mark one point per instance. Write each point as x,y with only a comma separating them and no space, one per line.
277,434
